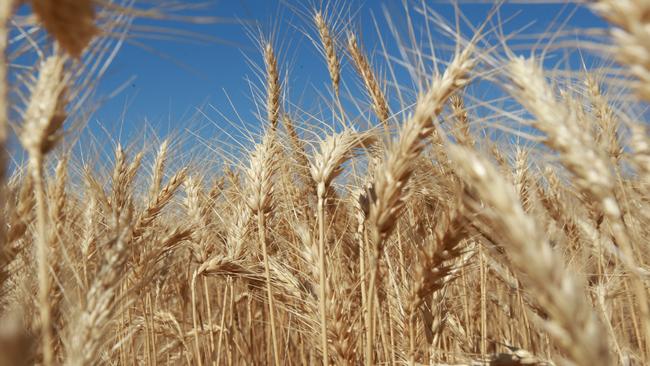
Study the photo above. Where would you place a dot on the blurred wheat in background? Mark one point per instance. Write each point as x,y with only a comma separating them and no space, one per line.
388,227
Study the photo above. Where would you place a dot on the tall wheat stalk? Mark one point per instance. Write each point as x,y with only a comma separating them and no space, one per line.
6,10
263,166
334,151
43,119
260,183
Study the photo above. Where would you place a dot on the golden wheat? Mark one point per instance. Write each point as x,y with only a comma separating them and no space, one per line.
504,229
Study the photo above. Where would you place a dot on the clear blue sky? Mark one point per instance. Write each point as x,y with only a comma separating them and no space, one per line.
172,80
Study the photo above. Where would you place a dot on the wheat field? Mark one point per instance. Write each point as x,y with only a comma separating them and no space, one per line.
388,227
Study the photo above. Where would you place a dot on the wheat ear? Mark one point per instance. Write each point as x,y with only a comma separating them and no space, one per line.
572,323
272,86
386,199
92,325
260,174
631,37
463,133
329,49
559,122
70,22
158,170
607,136
379,103
640,144
433,269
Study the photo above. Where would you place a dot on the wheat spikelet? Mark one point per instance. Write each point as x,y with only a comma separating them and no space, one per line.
90,233
45,113
432,271
521,179
59,198
123,176
641,145
333,152
607,136
565,136
21,215
158,203
259,174
392,175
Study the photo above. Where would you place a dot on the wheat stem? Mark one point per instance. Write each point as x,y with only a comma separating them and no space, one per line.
6,10
322,273
36,167
261,227
195,324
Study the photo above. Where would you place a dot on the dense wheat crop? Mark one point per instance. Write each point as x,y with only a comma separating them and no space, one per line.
488,208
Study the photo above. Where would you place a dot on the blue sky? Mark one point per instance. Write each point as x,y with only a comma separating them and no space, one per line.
167,82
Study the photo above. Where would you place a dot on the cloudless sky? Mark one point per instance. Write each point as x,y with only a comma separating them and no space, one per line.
167,82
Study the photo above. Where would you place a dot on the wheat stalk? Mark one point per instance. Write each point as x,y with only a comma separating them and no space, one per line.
325,167
259,199
6,11
44,117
